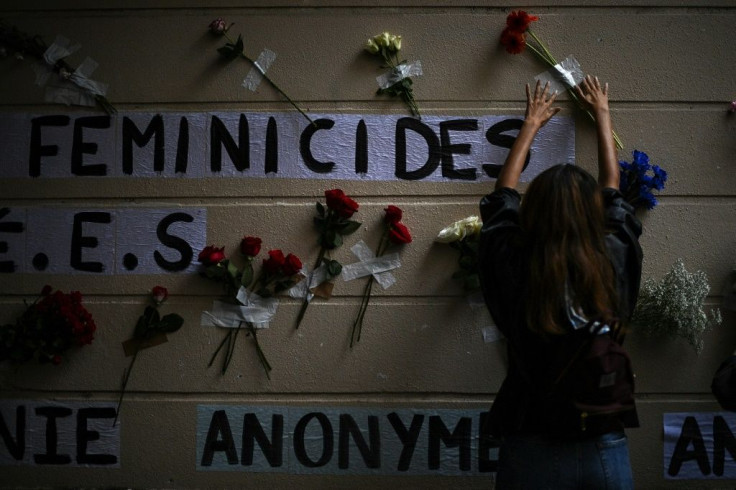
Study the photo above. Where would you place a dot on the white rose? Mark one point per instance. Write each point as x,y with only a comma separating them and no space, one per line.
459,230
372,47
396,43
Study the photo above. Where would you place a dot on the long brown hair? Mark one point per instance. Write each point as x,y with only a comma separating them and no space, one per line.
563,221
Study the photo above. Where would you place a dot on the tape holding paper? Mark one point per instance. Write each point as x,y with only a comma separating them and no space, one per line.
566,74
404,70
255,75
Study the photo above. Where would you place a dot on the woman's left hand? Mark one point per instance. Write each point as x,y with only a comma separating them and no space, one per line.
539,108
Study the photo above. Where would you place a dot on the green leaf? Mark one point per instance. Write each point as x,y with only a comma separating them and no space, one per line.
247,277
320,209
232,270
170,323
230,50
141,328
348,228
336,240
333,267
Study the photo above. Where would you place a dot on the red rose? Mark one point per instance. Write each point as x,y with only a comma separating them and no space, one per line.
347,208
340,203
513,41
211,255
274,262
519,21
399,234
393,215
292,265
159,294
334,198
250,246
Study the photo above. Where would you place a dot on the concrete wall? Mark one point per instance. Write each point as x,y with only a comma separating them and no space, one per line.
671,67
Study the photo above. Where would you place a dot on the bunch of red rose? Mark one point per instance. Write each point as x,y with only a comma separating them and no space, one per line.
48,328
279,272
397,232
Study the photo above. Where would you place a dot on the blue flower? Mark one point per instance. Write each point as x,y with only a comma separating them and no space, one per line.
638,178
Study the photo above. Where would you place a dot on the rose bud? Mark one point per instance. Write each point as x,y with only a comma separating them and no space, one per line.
399,234
393,215
211,255
250,246
159,294
274,262
347,207
334,198
218,26
292,265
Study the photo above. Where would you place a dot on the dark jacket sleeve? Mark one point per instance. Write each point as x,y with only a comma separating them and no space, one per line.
622,239
498,255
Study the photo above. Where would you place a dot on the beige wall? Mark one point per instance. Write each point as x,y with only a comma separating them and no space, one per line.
672,71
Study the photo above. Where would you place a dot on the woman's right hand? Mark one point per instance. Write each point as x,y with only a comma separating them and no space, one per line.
539,108
595,95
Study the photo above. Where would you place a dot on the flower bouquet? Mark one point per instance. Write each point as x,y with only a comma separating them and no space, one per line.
639,178
332,223
249,302
394,232
674,306
514,39
463,235
397,82
150,330
47,329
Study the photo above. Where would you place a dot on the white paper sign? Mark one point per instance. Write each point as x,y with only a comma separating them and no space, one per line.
279,145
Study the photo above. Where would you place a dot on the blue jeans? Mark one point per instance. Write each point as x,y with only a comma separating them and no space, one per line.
532,462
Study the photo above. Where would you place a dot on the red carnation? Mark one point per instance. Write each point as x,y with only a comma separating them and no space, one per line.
513,41
292,265
250,246
399,234
519,21
211,255
393,215
275,261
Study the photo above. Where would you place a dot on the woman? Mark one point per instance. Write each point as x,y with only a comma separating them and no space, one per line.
568,253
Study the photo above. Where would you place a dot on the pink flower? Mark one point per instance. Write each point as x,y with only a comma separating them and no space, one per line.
218,26
733,106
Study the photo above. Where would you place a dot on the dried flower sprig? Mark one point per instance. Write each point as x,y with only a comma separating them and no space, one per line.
674,306
463,235
235,48
514,39
398,81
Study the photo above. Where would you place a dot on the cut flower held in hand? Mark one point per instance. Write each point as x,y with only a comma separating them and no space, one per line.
394,232
514,39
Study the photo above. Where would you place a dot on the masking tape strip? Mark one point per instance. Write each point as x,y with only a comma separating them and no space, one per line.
566,74
404,70
61,48
315,278
255,75
69,95
230,316
371,265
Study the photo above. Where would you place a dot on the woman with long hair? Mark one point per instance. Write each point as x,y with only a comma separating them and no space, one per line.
567,254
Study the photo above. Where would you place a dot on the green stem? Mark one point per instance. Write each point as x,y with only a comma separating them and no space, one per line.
231,349
273,84
542,45
367,291
305,302
126,377
261,355
219,348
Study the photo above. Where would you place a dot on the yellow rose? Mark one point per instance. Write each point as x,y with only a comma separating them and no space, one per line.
459,230
372,47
